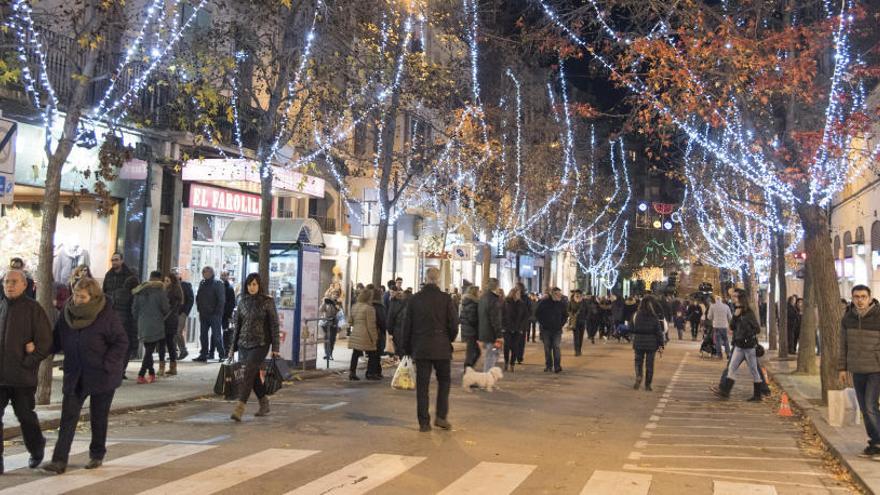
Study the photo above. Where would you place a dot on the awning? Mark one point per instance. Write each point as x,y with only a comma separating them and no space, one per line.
244,175
284,231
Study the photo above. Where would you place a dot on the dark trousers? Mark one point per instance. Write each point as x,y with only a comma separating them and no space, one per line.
210,324
593,329
579,328
373,367
695,328
523,338
533,328
252,359
330,340
646,358
423,383
99,412
867,387
147,363
23,402
552,359
170,344
472,354
512,343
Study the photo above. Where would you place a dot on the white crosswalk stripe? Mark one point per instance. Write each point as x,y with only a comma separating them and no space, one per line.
490,478
361,476
19,461
728,488
232,473
75,480
617,483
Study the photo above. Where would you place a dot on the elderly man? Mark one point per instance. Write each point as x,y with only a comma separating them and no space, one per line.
18,264
860,355
429,328
119,281
25,340
210,302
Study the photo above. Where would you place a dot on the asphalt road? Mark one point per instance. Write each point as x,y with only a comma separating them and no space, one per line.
583,431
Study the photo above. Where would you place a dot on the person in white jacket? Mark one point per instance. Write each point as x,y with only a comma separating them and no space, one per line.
719,315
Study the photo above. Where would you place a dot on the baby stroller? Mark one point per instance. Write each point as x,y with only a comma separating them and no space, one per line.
707,346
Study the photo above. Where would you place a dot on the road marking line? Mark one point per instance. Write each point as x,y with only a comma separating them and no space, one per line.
737,437
728,457
641,444
678,418
110,470
333,406
617,483
727,427
634,456
659,410
654,419
490,478
232,473
19,461
728,488
361,476
209,441
646,434
651,426
632,467
719,445
723,470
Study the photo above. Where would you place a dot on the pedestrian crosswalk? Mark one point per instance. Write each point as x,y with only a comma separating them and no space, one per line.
366,475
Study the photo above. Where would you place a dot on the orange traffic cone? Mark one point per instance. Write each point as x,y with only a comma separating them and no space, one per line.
784,407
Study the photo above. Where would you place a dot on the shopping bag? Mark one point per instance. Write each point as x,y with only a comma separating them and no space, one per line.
405,376
230,375
273,379
284,370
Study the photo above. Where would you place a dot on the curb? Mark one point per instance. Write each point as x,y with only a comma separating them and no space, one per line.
51,424
819,429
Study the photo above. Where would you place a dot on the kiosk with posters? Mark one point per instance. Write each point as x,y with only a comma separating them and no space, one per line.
294,279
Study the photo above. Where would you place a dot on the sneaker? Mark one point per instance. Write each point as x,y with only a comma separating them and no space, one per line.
200,359
55,467
424,428
141,380
94,463
442,424
870,451
182,355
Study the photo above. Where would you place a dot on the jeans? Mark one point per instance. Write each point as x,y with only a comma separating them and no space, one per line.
441,368
533,328
330,340
695,328
646,357
147,363
867,387
512,344
472,354
748,355
373,366
181,333
552,360
252,360
490,356
210,324
169,344
23,402
721,339
99,412
579,328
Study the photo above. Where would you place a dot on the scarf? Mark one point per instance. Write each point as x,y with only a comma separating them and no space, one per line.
79,316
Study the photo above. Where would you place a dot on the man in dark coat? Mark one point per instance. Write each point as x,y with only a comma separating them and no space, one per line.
25,340
189,299
210,302
490,331
18,264
860,355
228,309
552,313
119,281
430,327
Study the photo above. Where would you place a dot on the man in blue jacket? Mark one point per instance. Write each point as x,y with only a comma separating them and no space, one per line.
210,303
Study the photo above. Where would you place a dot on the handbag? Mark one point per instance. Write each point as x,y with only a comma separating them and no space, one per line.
405,376
759,350
228,378
273,380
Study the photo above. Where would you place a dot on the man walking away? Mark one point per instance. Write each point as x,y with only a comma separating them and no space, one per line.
490,333
210,303
189,299
228,309
719,315
551,315
430,327
860,355
119,281
468,316
25,340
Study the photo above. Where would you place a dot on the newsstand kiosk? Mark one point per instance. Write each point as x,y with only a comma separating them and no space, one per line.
294,279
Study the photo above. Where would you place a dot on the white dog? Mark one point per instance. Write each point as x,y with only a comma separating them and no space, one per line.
485,380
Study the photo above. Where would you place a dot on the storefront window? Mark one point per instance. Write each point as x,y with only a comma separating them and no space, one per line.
208,250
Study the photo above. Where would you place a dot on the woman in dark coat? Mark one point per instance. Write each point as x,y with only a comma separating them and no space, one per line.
174,291
256,330
793,322
95,348
647,339
695,315
469,318
745,341
514,321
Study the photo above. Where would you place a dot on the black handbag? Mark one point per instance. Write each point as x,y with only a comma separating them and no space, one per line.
228,378
273,379
759,350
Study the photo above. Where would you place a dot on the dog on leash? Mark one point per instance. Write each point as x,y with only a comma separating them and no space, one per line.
486,381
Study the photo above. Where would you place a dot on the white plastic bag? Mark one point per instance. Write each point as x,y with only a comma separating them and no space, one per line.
405,376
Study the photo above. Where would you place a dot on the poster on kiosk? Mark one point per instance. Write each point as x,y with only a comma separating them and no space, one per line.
294,280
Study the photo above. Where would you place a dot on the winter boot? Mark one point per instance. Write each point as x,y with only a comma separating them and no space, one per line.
638,382
161,368
238,412
722,390
756,393
172,369
264,407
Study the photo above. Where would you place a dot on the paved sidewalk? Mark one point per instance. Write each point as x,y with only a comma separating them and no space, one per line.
847,441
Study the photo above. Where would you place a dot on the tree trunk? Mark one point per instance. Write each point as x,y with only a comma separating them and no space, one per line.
772,303
783,295
548,270
486,267
817,243
806,355
379,253
265,225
